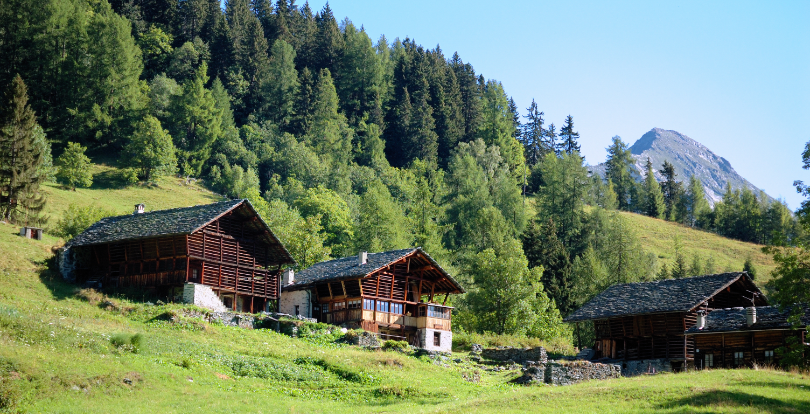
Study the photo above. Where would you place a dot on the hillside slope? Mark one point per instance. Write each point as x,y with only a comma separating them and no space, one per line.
661,237
109,192
58,353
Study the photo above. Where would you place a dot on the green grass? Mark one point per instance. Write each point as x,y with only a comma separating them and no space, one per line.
66,352
659,237
109,192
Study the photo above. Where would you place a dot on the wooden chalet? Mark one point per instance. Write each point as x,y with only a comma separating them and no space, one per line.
225,246
400,294
648,320
740,337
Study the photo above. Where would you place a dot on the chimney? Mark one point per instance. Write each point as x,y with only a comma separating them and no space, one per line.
362,258
139,208
701,320
751,315
289,277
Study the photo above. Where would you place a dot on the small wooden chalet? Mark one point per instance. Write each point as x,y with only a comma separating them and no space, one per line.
225,246
739,337
648,320
400,294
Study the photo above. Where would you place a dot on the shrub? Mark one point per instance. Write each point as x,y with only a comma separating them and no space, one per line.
131,343
74,167
391,345
78,219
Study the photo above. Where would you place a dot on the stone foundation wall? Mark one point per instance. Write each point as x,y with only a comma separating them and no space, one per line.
203,297
426,337
66,264
301,298
519,355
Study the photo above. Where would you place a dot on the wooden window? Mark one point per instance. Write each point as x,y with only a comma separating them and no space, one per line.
437,339
382,306
438,312
396,308
325,308
709,360
769,357
194,274
368,304
422,311
739,358
354,304
336,306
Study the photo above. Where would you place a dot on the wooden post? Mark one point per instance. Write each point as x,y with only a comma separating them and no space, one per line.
445,298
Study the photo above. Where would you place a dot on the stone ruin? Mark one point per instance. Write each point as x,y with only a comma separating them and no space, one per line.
538,369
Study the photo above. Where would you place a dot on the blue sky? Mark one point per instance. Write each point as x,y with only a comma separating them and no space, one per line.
733,75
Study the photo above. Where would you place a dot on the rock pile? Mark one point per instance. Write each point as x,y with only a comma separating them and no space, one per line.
529,356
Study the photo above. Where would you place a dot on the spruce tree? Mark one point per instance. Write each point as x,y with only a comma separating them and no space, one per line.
532,136
569,137
696,205
672,189
543,248
20,158
618,166
654,205
281,86
549,142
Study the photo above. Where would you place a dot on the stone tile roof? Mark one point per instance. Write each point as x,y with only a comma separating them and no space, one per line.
349,268
733,319
171,222
176,221
672,295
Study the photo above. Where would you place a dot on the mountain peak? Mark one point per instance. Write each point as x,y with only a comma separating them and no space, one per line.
690,158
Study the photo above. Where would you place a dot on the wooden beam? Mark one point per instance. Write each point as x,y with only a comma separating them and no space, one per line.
331,296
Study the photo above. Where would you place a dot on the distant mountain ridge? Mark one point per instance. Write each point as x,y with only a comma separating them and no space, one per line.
689,158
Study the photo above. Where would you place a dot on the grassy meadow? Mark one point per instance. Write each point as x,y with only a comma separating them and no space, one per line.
65,350
61,351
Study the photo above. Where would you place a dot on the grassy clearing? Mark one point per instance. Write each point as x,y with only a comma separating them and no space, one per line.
68,351
659,237
110,192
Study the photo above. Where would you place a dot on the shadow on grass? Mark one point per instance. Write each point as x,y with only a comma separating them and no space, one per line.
112,179
50,277
775,384
722,400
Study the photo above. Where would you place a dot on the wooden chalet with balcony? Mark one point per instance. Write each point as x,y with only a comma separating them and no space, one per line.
225,247
640,321
400,294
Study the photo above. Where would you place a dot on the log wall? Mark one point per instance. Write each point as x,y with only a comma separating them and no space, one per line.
645,336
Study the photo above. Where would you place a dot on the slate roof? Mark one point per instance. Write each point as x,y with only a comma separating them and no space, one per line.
349,268
171,222
672,295
733,319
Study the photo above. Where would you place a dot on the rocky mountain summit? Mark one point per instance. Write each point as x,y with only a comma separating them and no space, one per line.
689,158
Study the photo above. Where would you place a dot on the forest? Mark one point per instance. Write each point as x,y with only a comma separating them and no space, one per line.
343,144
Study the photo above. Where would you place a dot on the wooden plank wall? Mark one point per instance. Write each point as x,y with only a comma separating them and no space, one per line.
752,344
645,336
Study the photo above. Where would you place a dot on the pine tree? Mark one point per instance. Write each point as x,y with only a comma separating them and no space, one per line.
532,136
470,97
281,86
150,150
330,134
74,167
618,166
543,248
330,43
549,142
195,123
696,204
569,137
654,205
672,190
422,140
20,158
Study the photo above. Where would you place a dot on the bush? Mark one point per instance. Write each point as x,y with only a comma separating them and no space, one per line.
391,345
74,167
462,341
131,343
78,219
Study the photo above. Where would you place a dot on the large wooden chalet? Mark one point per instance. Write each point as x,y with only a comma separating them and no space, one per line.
225,246
649,320
400,294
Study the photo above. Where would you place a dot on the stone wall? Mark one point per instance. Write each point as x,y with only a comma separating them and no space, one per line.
66,264
203,297
519,355
302,298
569,373
426,337
645,366
572,373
